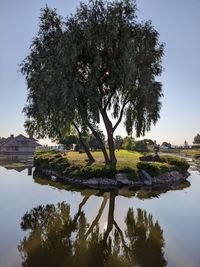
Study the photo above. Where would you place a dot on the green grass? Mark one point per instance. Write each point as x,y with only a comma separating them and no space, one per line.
75,164
15,165
194,153
125,158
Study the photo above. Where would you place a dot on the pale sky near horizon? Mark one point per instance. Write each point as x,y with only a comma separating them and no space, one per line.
177,21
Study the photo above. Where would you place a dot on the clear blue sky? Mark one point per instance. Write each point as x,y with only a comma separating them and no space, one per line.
176,21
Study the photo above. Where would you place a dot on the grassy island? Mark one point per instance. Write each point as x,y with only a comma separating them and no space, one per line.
74,164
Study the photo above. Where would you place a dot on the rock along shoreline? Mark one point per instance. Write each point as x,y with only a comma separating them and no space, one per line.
120,180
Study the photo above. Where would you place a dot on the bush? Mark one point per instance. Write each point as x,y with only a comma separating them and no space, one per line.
180,164
51,160
91,172
141,146
155,168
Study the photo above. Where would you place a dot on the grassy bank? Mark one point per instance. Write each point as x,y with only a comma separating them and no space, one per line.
193,153
74,164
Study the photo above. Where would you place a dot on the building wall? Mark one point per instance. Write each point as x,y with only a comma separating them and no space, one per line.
18,149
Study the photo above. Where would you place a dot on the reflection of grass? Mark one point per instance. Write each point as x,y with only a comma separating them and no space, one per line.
15,165
146,194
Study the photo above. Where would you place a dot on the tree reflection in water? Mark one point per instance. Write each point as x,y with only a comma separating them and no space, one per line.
58,239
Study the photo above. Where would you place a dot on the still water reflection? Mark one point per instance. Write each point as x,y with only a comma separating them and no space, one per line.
48,224
58,239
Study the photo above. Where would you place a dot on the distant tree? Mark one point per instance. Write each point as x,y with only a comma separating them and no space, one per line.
156,147
166,144
118,142
186,144
197,139
94,143
68,140
129,143
141,146
149,142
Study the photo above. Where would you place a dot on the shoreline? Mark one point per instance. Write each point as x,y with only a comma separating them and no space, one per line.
120,180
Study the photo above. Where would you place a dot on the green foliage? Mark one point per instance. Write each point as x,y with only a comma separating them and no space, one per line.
108,171
119,141
68,140
179,163
129,143
100,59
155,168
93,142
197,139
141,146
91,172
168,164
51,160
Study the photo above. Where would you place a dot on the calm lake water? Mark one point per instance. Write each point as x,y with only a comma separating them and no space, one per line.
44,224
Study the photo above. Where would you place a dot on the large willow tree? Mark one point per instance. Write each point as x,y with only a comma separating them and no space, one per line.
98,63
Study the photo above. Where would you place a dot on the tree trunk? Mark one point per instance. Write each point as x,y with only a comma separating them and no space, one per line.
111,145
110,217
109,129
95,133
87,151
85,147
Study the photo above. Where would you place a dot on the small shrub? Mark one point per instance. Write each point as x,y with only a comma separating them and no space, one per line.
180,164
90,172
155,168
51,160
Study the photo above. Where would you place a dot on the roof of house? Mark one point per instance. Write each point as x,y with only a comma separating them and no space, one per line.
13,141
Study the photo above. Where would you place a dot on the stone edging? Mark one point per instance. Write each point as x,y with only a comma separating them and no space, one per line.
168,178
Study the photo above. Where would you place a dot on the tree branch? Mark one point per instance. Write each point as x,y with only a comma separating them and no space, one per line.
127,250
86,148
109,99
80,208
97,217
121,114
97,136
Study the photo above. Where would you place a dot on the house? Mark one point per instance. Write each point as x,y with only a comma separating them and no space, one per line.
18,145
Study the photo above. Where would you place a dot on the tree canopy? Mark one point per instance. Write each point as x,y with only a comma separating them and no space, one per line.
197,139
97,63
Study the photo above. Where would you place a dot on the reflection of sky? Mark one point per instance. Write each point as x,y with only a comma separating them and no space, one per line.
176,21
176,212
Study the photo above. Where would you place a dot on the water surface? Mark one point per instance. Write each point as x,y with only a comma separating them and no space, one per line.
46,224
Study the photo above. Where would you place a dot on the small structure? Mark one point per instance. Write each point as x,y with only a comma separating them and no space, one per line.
18,145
